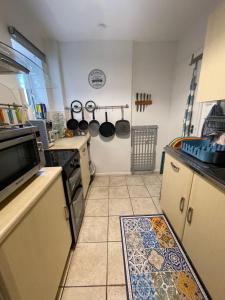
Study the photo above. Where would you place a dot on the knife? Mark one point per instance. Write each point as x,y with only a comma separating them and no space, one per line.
140,102
144,103
136,102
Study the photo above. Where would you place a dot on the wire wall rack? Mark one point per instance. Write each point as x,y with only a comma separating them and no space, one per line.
143,148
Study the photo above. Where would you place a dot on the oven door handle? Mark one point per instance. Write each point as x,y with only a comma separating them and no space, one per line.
20,140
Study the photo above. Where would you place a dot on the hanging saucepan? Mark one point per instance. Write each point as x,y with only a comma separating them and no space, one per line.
90,106
75,106
83,124
93,126
107,129
122,126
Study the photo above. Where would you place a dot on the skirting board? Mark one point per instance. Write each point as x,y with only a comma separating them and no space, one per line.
125,173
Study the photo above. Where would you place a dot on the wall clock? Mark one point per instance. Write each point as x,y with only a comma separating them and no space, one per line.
97,78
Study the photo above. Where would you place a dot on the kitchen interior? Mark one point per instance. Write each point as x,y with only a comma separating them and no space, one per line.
112,150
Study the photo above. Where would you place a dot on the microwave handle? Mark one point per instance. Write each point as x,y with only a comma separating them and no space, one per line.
17,141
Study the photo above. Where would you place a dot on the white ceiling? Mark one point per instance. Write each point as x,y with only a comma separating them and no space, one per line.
140,20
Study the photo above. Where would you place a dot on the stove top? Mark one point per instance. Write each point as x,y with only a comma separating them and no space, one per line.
61,158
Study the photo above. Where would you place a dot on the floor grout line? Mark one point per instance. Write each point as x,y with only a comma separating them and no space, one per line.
107,240
107,261
85,286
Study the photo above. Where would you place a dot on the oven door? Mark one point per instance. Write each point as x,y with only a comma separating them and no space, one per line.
19,161
77,211
74,180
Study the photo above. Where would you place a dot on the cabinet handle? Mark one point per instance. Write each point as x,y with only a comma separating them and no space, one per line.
66,213
182,201
175,168
189,215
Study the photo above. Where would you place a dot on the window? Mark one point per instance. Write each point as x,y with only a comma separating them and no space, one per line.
34,83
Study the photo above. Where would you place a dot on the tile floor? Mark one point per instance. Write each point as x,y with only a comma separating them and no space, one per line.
96,270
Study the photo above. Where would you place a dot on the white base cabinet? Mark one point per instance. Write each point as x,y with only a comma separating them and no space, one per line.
199,223
176,188
33,256
204,238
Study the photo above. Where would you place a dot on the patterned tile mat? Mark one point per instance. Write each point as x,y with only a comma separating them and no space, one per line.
156,267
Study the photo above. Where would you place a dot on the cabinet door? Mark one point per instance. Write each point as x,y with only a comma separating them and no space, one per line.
204,238
34,255
176,187
211,82
85,172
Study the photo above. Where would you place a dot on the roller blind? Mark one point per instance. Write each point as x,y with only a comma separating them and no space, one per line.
20,38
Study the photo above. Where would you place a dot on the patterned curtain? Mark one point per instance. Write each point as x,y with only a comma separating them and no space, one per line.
190,102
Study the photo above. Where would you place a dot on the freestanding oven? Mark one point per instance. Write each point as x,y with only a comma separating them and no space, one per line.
69,160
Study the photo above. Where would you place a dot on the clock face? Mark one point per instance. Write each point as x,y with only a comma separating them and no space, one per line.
97,78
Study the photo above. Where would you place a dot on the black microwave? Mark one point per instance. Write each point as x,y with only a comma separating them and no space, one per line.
19,158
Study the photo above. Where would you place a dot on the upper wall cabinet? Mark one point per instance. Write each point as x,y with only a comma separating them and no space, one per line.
212,77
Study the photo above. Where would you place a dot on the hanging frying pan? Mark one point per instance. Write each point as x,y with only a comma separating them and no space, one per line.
93,126
107,129
122,126
75,106
83,124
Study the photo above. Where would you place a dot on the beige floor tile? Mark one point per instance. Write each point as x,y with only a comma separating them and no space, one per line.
134,180
98,193
101,181
118,192
88,265
93,229
84,293
116,293
97,208
117,180
143,206
151,178
154,190
157,204
115,264
138,191
120,207
114,233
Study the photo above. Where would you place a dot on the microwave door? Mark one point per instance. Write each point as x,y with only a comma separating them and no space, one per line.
19,160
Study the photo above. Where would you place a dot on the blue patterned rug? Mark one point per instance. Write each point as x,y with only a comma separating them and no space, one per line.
155,265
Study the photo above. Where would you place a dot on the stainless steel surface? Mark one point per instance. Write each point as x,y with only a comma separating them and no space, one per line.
8,66
112,106
18,183
143,148
16,141
10,133
10,139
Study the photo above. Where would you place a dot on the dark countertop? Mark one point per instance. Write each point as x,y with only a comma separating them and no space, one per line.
213,173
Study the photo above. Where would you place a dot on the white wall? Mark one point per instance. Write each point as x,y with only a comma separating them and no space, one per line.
153,72
192,42
115,59
55,92
18,15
